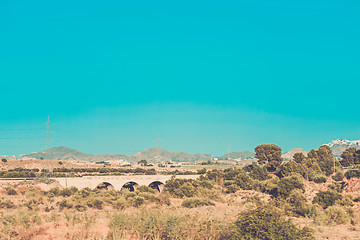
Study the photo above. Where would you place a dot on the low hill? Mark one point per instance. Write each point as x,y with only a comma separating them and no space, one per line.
290,154
154,155
238,155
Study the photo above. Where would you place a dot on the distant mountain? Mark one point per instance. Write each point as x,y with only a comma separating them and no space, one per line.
154,155
65,153
290,154
339,145
238,155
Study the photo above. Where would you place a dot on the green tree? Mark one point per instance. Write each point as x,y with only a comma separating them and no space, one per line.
299,157
269,155
323,156
350,156
258,173
290,168
4,160
143,162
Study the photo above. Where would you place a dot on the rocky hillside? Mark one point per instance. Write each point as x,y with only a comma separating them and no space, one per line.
339,145
154,155
238,155
290,154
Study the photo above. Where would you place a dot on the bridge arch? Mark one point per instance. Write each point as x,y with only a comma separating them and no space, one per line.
105,185
131,186
157,185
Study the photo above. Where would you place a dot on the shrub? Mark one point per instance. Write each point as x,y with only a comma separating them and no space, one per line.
339,176
266,223
326,198
66,192
287,184
196,202
244,181
136,201
201,171
336,186
259,173
80,208
145,189
352,173
54,191
95,203
7,204
64,204
85,192
231,188
337,215
173,186
318,177
297,201
10,191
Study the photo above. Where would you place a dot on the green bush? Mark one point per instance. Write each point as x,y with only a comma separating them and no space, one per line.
266,222
66,192
352,173
318,177
326,198
145,189
339,176
231,188
336,186
64,204
298,203
287,184
96,203
337,215
196,202
259,173
85,192
11,191
136,201
80,207
179,187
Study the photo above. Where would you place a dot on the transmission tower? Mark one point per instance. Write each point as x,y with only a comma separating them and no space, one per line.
158,141
48,136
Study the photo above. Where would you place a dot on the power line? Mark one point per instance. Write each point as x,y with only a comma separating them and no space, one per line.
48,136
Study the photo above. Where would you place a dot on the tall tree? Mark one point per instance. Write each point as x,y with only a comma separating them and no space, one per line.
350,156
323,156
269,155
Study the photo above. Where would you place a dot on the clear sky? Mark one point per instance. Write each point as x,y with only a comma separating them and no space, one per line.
114,75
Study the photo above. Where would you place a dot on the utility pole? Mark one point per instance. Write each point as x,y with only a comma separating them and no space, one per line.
48,136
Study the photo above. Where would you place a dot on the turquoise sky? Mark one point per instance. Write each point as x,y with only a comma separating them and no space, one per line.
114,75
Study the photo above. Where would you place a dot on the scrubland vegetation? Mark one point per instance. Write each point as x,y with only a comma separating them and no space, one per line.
309,197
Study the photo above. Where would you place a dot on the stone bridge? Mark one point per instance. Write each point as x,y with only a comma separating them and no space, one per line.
118,182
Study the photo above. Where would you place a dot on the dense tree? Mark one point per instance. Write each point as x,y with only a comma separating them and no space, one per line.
290,168
299,157
269,155
323,156
350,156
